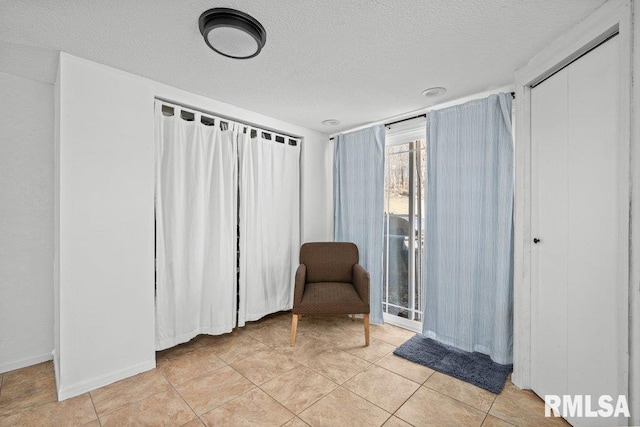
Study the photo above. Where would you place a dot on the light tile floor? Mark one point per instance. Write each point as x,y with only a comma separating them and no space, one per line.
253,377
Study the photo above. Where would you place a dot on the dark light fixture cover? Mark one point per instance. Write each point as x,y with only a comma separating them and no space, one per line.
225,18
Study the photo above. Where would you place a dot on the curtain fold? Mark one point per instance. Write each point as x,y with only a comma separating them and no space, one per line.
269,225
358,200
468,261
196,201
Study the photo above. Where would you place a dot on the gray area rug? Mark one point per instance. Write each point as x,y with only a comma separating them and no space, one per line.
475,368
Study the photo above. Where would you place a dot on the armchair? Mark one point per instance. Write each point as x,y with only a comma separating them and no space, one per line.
329,280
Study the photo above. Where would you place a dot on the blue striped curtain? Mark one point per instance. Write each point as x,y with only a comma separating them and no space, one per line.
358,202
468,285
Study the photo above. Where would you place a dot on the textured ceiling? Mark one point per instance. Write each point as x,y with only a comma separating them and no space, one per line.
353,60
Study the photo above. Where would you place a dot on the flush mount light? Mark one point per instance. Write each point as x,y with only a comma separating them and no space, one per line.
232,33
433,91
331,122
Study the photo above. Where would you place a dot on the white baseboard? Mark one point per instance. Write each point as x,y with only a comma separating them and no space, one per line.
84,386
22,363
56,367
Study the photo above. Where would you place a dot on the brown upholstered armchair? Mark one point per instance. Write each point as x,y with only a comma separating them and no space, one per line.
329,280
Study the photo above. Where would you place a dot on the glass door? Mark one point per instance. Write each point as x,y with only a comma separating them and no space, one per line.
404,233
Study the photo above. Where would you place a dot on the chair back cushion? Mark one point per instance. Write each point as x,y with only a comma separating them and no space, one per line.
329,261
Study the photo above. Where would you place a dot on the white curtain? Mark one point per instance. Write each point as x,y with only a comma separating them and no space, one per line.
196,209
269,224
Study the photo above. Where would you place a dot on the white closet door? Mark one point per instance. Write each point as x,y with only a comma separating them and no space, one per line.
575,116
550,157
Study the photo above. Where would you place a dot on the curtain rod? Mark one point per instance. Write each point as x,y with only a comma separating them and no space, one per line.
513,95
404,120
223,118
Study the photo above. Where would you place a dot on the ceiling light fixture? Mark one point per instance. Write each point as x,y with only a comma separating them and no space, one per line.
434,91
232,33
331,122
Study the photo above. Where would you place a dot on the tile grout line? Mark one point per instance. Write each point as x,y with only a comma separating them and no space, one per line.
424,384
299,364
375,404
406,400
336,347
197,344
289,420
196,377
134,402
239,373
33,405
315,403
255,386
306,367
403,376
253,354
303,364
457,400
137,400
266,381
378,359
504,421
95,410
484,419
331,380
488,410
277,401
395,413
183,399
334,381
346,389
387,420
304,409
491,407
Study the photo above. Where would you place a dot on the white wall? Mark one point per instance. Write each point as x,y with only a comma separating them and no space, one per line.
26,222
634,288
105,245
317,189
56,222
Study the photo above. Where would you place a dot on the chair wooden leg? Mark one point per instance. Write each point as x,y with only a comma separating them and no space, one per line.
294,329
366,330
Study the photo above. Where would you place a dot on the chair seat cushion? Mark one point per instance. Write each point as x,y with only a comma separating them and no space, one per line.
331,298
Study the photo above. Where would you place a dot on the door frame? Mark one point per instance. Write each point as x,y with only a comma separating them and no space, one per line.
408,135
614,17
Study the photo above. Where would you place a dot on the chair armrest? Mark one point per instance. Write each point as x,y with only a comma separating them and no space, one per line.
301,276
361,282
